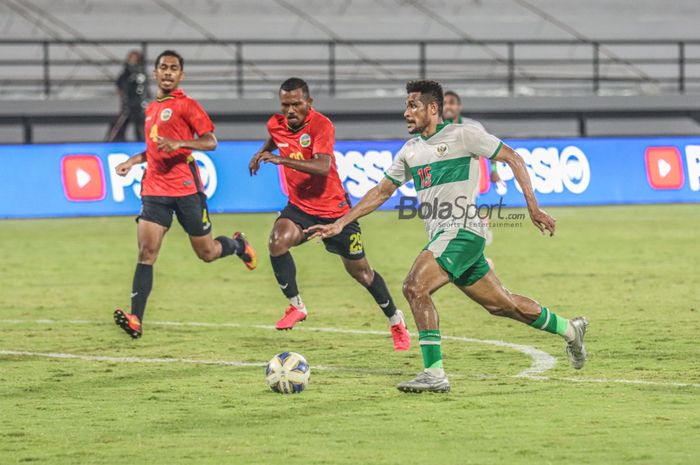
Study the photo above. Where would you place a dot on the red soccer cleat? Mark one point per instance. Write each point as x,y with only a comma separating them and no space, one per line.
400,335
249,255
129,322
291,317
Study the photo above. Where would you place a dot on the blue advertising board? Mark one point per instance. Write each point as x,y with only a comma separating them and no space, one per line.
79,179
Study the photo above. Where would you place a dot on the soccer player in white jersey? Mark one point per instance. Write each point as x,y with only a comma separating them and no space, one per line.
443,162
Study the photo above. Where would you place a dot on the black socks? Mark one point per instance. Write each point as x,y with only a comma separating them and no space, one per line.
230,246
141,288
381,295
286,274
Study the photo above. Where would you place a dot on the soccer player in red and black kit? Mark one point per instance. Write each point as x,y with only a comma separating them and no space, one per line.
305,141
172,183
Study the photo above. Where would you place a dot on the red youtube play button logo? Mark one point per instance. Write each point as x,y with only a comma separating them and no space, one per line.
83,178
664,167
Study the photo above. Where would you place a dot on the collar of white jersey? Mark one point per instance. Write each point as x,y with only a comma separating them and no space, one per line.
439,128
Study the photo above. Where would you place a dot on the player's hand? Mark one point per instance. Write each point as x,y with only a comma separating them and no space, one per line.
168,145
324,231
543,221
269,157
254,164
495,178
123,169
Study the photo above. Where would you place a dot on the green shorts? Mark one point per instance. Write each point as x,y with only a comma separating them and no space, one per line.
461,254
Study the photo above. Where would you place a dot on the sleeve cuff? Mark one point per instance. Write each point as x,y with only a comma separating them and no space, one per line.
500,144
395,181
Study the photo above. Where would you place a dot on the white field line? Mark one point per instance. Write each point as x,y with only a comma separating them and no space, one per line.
227,363
541,361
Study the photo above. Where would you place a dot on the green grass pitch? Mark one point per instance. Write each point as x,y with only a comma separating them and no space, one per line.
633,271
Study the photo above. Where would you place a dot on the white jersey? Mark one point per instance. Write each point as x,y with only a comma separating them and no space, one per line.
471,122
445,170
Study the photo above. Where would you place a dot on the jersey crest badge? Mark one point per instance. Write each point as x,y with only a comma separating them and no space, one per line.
305,140
442,150
166,114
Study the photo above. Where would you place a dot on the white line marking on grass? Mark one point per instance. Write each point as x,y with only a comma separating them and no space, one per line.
626,381
227,363
541,360
101,358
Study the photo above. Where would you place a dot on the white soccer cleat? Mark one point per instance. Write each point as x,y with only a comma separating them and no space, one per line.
575,349
425,382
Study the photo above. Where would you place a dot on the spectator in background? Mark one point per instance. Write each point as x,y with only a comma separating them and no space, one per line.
132,86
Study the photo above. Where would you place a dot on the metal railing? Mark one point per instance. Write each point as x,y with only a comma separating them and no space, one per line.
245,67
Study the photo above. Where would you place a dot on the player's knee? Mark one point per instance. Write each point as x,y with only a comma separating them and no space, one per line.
277,245
207,255
413,289
147,254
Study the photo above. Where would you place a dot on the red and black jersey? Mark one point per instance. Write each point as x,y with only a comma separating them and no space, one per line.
173,174
316,195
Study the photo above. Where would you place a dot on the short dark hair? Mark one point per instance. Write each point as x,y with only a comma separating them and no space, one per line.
430,89
455,95
171,53
295,83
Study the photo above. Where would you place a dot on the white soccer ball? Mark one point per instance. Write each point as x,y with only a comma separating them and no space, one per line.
288,373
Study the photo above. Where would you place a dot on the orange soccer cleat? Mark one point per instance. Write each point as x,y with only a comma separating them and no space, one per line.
249,255
129,322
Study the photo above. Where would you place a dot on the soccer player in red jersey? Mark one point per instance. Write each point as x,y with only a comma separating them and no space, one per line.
171,183
305,141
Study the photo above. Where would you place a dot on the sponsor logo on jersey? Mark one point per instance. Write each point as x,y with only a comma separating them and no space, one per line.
305,140
166,114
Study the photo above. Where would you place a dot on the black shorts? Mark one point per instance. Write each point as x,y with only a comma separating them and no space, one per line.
191,211
347,244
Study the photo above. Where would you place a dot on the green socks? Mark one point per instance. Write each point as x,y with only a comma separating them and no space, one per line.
429,341
550,322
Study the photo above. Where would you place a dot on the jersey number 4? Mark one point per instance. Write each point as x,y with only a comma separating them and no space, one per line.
153,135
425,177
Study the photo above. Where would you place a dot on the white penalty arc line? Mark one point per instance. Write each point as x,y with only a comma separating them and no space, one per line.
541,361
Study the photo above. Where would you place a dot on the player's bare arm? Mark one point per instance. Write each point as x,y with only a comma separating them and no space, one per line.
372,200
542,220
123,168
254,164
319,165
206,142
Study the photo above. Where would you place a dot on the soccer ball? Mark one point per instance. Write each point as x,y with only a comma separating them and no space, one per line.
288,373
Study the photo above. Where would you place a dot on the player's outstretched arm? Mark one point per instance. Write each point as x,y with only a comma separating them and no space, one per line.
372,200
122,169
254,164
206,142
319,165
542,220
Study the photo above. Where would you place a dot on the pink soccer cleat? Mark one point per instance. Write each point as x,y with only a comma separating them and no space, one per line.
291,317
400,335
